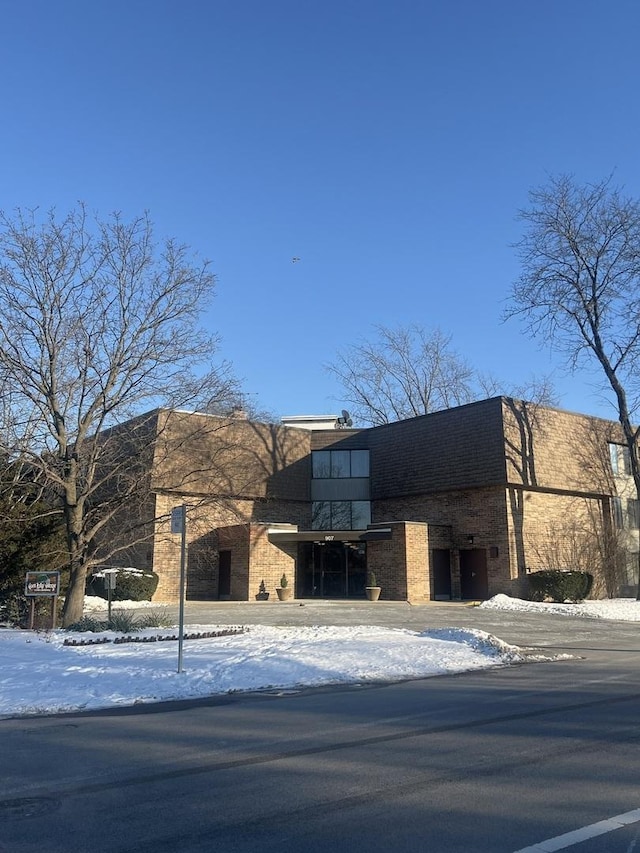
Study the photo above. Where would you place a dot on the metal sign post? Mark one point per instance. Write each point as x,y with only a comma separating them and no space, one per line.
179,525
110,585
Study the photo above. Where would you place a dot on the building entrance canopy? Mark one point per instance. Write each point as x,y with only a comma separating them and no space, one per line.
331,563
282,536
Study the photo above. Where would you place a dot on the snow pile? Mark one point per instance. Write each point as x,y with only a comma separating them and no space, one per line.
95,604
622,609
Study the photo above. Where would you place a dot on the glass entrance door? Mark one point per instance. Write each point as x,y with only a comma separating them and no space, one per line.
333,569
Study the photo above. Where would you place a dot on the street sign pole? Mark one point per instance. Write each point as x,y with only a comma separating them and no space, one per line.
179,525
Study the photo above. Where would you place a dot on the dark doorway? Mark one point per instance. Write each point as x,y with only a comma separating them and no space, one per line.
473,574
441,573
332,569
224,575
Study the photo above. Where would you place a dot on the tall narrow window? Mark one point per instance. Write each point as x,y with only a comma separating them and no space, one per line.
620,459
633,513
613,455
616,507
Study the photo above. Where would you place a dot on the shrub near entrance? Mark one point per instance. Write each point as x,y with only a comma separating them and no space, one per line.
559,585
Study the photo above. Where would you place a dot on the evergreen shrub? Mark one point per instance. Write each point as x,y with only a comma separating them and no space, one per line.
559,585
131,585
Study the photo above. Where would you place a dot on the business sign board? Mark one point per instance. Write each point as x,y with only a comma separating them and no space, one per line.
42,583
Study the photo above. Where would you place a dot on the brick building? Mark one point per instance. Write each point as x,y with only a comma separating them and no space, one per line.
460,504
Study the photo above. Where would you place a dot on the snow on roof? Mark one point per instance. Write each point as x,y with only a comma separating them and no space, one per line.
310,421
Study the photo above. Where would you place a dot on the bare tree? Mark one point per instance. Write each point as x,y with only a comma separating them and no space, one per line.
580,286
538,389
402,373
99,323
410,371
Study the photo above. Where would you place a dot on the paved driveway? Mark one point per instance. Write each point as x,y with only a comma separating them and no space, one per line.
534,630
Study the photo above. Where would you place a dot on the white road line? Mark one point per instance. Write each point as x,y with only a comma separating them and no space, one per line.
561,842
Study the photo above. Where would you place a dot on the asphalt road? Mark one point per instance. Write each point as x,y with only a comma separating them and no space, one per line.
494,762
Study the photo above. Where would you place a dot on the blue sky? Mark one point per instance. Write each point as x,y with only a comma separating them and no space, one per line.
387,145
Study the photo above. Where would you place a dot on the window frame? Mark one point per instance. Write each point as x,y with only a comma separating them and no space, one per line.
323,466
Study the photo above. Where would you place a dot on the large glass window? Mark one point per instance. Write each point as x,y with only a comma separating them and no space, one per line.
340,515
629,519
340,464
341,490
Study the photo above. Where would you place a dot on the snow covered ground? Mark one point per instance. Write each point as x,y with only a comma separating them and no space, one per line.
39,674
621,609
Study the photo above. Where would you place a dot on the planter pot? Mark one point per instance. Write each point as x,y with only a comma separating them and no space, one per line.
262,596
373,592
284,592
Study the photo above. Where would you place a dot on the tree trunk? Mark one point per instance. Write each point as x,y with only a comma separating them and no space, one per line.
74,600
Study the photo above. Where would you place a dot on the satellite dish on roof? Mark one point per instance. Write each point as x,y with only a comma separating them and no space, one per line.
345,421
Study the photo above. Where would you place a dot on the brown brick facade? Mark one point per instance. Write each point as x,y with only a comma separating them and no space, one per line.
498,488
213,526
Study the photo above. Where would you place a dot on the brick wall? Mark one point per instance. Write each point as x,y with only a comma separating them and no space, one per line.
204,523
401,564
555,531
560,518
552,449
347,439
481,513
209,455
268,562
453,449
454,517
